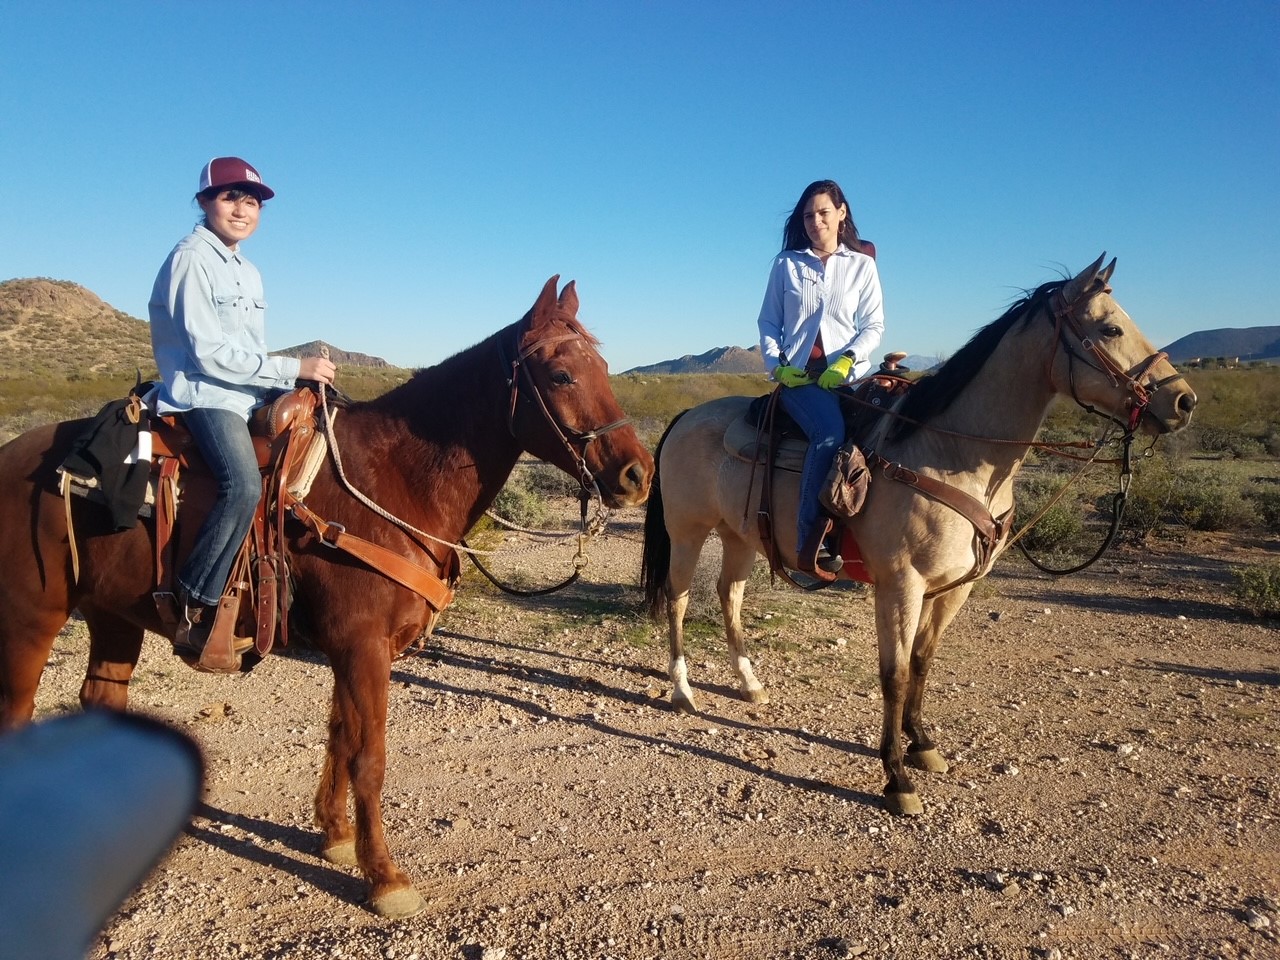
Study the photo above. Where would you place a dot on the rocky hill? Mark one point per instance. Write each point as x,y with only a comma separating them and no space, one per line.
740,360
343,358
57,328
719,360
1246,344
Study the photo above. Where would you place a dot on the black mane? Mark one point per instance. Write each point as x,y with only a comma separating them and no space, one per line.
934,393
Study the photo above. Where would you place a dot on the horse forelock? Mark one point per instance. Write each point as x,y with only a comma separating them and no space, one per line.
532,332
935,392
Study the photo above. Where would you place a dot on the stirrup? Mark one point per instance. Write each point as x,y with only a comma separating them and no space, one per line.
212,647
810,559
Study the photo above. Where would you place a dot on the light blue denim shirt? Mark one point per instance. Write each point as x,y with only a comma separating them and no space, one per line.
208,330
841,299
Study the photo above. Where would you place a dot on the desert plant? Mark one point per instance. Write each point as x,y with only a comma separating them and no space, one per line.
1258,589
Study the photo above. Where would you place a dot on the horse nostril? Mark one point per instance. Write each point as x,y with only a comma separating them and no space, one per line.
635,476
1187,402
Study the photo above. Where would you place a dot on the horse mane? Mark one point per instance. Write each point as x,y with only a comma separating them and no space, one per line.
449,380
933,393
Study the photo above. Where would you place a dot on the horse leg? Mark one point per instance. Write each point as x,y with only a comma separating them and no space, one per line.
331,796
684,561
357,748
897,618
115,645
935,616
26,639
739,557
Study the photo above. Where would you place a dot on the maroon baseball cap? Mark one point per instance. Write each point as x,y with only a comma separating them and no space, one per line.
232,172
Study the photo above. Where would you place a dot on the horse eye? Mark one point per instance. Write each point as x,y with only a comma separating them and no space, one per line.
562,378
1111,331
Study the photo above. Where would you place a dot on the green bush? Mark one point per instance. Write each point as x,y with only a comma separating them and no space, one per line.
1196,496
1266,501
1258,589
520,504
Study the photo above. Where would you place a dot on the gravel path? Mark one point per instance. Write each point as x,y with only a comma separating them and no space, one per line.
1113,791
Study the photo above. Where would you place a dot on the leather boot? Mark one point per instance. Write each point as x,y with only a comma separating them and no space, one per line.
206,639
813,557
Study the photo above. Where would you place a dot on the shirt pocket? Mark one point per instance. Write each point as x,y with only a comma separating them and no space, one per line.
229,307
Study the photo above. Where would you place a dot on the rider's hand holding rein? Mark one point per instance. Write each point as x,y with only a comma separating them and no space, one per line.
317,368
837,373
790,376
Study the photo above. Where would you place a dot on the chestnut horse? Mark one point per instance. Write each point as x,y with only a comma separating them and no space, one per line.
968,425
433,452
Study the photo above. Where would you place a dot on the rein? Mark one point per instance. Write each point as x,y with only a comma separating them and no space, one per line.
1064,316
520,370
586,479
1064,319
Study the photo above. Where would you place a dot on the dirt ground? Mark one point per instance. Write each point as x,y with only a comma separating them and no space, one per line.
1114,787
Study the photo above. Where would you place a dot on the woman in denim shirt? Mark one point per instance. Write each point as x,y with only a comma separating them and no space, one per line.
208,334
821,320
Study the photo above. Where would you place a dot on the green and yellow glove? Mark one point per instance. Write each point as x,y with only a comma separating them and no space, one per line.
837,373
791,376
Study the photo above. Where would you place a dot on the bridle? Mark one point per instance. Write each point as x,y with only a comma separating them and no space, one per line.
1134,380
519,372
1141,392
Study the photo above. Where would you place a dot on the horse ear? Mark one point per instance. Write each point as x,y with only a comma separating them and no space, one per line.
1108,270
569,298
546,301
1082,284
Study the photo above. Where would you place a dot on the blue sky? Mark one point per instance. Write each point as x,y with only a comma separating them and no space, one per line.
435,163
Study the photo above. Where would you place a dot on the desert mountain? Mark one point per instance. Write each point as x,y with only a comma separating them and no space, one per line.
719,360
343,358
1246,343
740,360
59,329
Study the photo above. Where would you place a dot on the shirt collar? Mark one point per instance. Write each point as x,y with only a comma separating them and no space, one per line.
220,248
840,251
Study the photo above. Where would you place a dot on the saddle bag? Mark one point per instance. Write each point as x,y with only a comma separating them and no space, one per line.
845,489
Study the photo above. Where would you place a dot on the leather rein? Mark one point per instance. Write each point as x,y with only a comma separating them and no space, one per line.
991,531
517,372
429,584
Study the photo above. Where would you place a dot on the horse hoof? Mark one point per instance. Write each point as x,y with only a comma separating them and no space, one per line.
683,705
928,760
398,904
758,697
903,804
341,854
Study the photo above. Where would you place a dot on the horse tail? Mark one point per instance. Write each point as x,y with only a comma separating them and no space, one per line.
655,558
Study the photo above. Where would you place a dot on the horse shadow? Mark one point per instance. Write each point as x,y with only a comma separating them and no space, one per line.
563,680
299,856
1262,678
306,866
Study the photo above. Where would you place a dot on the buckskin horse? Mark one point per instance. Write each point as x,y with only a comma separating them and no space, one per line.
940,502
433,452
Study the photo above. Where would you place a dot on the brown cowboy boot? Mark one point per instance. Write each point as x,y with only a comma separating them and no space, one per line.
206,638
814,558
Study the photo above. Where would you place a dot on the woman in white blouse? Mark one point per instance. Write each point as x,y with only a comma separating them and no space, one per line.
821,321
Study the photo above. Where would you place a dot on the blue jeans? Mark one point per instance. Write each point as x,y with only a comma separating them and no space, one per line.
224,441
817,412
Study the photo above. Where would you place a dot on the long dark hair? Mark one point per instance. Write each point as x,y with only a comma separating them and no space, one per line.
794,236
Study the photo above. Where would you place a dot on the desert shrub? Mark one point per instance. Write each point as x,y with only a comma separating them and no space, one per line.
1197,496
520,503
1057,530
1228,442
1258,589
1266,501
1059,526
